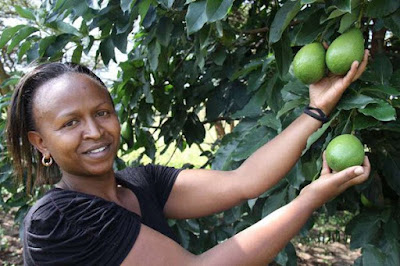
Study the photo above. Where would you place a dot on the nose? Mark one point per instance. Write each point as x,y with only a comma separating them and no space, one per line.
93,130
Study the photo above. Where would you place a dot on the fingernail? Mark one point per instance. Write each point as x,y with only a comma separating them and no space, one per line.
359,170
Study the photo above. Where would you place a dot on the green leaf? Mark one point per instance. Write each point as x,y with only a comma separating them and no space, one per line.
107,50
219,57
388,90
352,101
364,228
254,139
344,5
154,52
308,31
77,55
392,249
274,202
217,9
381,110
270,120
283,54
290,106
65,28
372,256
392,22
334,14
46,42
193,129
125,5
22,34
379,8
196,16
282,19
317,134
164,30
304,2
295,177
32,53
25,12
144,7
287,256
391,170
362,122
223,157
8,33
23,48
348,20
253,106
166,3
243,71
294,89
9,82
184,237
383,68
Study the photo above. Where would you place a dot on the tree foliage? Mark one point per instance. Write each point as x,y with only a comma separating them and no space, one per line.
231,60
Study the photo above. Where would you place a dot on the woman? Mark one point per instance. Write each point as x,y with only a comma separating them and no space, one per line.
62,115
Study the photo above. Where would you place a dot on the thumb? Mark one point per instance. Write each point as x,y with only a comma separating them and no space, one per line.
348,174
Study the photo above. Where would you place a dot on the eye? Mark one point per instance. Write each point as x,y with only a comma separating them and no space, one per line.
70,123
102,113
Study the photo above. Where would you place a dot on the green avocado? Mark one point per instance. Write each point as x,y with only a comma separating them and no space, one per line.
309,63
344,50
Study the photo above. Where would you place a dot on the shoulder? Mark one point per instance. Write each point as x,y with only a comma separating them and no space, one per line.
149,173
74,226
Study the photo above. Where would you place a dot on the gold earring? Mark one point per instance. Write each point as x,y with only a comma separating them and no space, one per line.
48,162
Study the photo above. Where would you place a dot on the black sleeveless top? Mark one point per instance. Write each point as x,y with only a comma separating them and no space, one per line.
67,227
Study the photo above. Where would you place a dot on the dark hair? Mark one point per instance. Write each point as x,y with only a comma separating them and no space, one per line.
20,121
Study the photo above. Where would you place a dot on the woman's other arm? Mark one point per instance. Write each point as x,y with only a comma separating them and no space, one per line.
261,242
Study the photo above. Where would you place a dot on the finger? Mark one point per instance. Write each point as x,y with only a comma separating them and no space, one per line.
355,175
325,44
325,167
366,162
348,174
362,66
350,74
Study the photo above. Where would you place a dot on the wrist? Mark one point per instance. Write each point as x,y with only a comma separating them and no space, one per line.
316,113
306,202
309,197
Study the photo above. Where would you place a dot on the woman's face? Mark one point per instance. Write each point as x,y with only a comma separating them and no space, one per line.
76,124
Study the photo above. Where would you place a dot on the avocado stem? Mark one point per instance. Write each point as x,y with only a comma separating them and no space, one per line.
360,16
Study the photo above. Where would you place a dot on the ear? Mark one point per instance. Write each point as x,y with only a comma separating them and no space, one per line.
37,141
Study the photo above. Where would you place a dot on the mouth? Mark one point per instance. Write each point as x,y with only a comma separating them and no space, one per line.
97,150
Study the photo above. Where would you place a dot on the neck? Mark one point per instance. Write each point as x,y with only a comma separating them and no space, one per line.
104,187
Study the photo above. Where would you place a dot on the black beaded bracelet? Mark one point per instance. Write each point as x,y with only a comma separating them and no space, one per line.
320,116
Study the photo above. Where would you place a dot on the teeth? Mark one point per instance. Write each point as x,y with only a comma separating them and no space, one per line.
97,150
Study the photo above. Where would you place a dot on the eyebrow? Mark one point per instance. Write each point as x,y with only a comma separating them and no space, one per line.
74,112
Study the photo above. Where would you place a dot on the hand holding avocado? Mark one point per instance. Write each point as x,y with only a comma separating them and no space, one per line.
330,184
342,56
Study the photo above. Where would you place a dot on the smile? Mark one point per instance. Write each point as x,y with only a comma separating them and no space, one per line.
98,150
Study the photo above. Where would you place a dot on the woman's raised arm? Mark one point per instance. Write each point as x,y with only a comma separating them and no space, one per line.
198,193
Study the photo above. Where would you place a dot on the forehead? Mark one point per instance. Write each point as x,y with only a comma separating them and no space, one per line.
67,91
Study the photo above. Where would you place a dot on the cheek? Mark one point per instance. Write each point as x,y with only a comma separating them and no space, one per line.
115,128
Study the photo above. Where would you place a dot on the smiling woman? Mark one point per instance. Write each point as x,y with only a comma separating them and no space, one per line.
63,117
77,124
